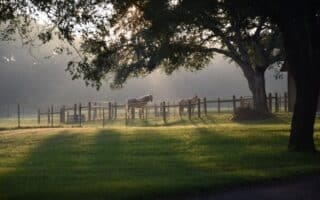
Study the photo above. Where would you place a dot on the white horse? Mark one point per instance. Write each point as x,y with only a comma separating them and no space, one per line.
185,102
140,102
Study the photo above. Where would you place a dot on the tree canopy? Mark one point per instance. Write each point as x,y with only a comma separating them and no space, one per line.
132,38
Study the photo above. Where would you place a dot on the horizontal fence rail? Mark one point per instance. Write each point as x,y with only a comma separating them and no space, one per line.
102,113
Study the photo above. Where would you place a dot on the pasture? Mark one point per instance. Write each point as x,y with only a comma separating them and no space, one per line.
99,114
148,162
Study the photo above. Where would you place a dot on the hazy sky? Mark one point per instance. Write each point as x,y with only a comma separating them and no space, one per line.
29,80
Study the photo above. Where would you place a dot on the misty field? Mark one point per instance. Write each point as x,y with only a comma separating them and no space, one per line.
147,162
212,118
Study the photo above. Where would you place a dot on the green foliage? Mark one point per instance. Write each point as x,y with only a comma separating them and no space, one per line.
133,38
45,37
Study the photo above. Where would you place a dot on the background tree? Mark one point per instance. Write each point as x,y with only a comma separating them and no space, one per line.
255,47
210,31
299,23
196,35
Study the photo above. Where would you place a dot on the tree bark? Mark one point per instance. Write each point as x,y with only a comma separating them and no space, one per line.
256,82
301,137
300,29
259,91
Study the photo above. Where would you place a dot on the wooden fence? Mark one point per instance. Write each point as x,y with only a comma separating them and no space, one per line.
78,114
105,112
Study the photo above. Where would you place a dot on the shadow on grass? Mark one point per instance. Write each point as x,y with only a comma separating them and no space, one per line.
275,119
177,121
105,165
136,164
27,127
158,122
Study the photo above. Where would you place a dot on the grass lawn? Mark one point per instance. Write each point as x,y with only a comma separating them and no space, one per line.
147,162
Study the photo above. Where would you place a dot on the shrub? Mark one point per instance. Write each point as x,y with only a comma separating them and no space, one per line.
247,113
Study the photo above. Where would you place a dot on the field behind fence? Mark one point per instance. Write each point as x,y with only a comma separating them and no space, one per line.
100,114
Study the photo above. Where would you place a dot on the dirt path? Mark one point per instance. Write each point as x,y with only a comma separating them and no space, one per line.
301,189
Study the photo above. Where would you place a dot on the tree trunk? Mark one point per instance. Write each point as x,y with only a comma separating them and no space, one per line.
256,82
300,30
301,137
259,92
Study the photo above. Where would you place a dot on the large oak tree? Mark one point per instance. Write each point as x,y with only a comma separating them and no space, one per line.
251,46
299,23
132,38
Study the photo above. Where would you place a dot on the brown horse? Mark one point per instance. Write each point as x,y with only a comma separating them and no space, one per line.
140,102
185,102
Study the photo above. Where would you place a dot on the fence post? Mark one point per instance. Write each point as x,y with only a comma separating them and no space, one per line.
133,112
94,111
168,105
140,112
80,117
174,110
89,111
219,105
99,116
18,109
155,110
199,108
109,111
51,115
39,116
126,114
234,103
64,113
205,106
60,115
146,112
164,112
115,110
189,109
270,102
241,102
103,117
74,112
160,110
276,102
48,116
285,102
279,103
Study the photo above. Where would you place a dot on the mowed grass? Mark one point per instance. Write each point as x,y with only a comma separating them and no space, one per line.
147,162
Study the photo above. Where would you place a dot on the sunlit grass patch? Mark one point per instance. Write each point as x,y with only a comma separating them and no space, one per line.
145,162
